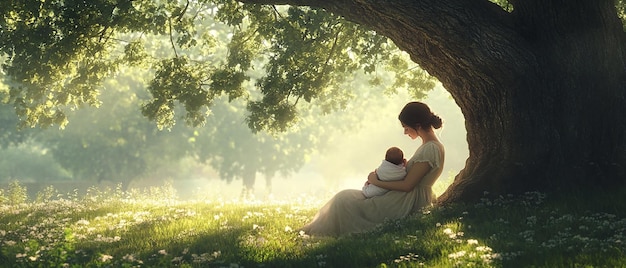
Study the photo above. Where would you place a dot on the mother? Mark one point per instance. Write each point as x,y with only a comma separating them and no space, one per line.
350,212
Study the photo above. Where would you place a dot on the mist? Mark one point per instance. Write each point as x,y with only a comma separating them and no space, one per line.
354,154
143,158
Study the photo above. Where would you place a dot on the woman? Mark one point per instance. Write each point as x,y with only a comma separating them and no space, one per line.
350,212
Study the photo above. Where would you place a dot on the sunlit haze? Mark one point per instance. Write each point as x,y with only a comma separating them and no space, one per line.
354,155
344,161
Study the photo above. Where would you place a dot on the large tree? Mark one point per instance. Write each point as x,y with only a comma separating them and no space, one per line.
541,83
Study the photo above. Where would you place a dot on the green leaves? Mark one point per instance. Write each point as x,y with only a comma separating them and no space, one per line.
621,11
177,79
58,53
230,82
57,56
135,52
276,117
416,81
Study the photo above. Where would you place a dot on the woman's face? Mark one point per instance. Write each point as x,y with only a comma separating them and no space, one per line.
409,131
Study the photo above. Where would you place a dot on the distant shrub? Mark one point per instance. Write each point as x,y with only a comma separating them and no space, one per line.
164,192
29,162
16,194
47,194
3,199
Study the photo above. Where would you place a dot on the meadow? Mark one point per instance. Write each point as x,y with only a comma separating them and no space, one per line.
155,228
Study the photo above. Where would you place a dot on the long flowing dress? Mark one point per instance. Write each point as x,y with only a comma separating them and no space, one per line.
350,212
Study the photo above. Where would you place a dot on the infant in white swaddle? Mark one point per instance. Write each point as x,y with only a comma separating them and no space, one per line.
391,169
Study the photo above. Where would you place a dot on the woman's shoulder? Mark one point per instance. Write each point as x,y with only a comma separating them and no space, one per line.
431,145
429,151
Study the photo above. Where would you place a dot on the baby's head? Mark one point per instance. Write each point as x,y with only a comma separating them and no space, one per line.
394,155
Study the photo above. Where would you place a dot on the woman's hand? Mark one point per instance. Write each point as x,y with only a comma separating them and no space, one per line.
372,178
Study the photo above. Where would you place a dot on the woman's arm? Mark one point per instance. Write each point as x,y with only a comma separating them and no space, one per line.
415,175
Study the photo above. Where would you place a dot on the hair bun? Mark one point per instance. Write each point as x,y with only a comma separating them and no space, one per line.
417,114
436,121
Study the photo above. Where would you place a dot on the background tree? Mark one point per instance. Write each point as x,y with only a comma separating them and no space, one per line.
519,71
114,142
230,147
8,128
9,121
30,162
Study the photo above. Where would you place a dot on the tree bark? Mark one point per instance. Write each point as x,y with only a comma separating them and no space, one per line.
249,179
542,88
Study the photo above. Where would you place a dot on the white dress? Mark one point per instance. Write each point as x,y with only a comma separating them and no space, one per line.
349,211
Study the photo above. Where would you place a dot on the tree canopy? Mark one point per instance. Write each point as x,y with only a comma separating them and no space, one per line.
57,53
112,142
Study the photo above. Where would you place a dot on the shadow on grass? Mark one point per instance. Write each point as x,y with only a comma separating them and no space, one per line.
166,243
530,230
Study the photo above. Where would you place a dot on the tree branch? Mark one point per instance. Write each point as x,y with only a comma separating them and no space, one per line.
331,52
311,3
468,45
182,13
433,32
172,37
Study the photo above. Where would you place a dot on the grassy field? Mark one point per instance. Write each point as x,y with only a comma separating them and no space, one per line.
113,228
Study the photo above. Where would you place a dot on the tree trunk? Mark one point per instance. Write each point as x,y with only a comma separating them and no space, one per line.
542,89
249,178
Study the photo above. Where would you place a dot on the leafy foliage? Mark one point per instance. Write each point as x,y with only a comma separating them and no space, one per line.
620,5
205,69
621,11
505,4
8,128
58,54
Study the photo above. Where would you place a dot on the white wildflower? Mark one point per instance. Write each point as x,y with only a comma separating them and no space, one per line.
105,258
483,248
303,234
129,257
457,255
472,241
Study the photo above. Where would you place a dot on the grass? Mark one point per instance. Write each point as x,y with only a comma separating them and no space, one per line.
112,228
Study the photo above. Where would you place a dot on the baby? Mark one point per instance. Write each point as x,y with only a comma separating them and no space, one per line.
391,169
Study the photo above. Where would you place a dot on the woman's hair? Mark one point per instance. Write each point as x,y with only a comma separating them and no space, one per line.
416,114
